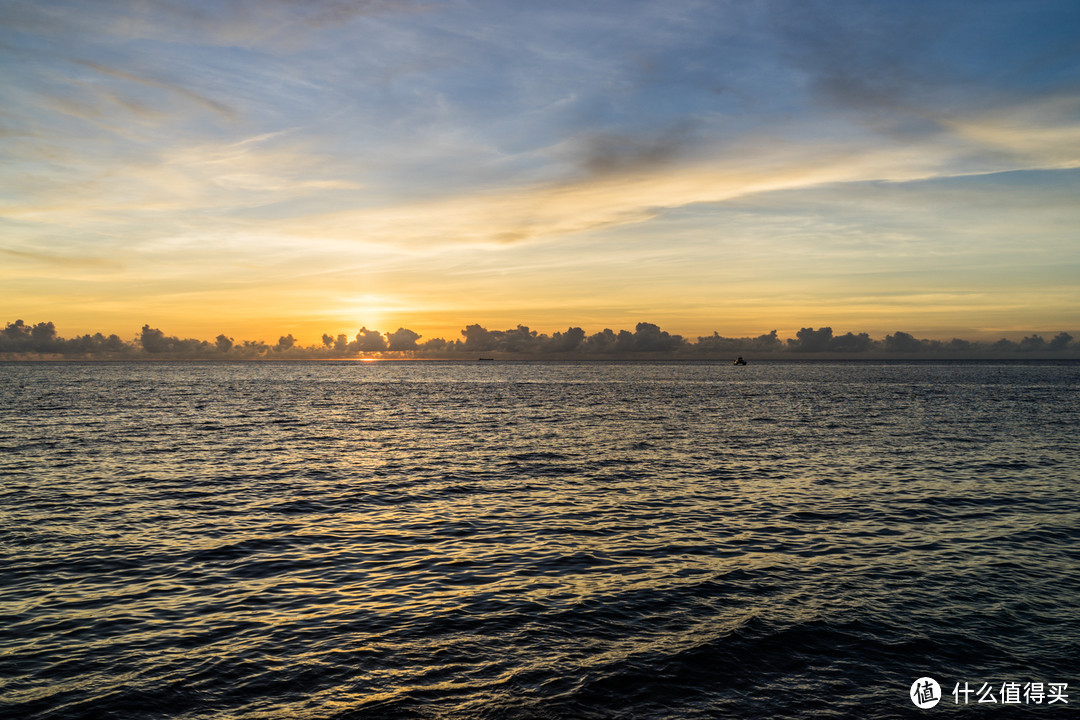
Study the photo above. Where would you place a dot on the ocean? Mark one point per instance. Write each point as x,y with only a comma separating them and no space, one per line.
539,540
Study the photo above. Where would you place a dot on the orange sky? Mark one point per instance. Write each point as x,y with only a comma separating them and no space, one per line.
257,170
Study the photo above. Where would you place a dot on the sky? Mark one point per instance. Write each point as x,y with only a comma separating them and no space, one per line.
263,167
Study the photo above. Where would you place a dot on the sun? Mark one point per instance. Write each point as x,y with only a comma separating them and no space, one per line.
366,310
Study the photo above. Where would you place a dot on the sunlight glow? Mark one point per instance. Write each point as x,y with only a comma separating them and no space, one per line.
207,173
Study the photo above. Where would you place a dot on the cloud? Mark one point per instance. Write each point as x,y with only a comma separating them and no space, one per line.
859,55
402,339
322,13
924,73
54,259
823,340
496,156
1043,134
191,96
604,200
170,190
609,153
368,341
236,23
20,340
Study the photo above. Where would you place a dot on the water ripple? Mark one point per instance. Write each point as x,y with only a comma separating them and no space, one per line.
532,541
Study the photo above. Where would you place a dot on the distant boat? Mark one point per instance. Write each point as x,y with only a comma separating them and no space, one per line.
483,359
739,361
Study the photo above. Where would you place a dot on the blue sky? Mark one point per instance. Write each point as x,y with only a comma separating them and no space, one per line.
258,168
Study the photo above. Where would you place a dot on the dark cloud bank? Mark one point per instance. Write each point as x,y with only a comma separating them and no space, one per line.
20,341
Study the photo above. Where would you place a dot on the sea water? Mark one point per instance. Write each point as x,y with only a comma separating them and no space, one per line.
538,540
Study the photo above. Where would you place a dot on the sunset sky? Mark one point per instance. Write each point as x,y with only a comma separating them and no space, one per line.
263,167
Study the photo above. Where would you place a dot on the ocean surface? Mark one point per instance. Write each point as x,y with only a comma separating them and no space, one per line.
538,540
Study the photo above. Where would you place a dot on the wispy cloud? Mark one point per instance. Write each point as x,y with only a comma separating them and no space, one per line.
635,183
234,23
1039,134
60,260
191,96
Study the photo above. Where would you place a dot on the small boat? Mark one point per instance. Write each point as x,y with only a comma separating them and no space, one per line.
484,359
739,361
